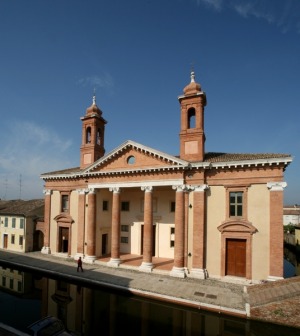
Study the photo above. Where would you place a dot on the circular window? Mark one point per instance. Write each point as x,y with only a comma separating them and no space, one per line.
131,160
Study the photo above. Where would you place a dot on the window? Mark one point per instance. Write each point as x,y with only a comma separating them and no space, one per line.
172,237
13,223
172,207
11,283
191,118
131,160
88,135
21,223
21,240
19,286
12,239
4,281
105,206
236,204
125,206
124,228
64,203
124,240
98,137
6,222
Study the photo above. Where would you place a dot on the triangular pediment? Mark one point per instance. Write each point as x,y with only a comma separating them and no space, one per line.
132,156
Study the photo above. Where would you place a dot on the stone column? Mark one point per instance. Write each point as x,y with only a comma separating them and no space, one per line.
47,218
276,230
115,229
198,207
178,268
147,265
90,255
80,224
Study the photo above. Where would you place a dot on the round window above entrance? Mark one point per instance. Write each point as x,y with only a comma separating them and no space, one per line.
131,159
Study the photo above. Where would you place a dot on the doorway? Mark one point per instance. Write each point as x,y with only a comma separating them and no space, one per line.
236,257
104,243
64,239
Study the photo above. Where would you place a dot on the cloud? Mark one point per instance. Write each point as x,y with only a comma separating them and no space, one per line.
215,4
27,150
94,81
251,9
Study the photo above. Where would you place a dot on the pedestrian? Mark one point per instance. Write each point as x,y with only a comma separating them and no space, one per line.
79,264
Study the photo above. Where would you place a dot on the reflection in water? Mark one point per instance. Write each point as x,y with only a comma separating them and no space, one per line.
93,311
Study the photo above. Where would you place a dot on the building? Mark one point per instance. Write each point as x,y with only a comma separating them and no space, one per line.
291,214
18,220
215,214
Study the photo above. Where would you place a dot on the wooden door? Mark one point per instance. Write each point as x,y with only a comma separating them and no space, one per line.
104,243
5,241
236,257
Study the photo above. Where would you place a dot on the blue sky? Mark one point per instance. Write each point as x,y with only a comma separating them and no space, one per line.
137,55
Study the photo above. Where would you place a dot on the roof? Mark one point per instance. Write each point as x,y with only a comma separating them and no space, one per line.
20,207
211,160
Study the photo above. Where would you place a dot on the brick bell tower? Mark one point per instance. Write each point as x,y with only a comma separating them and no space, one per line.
93,128
192,137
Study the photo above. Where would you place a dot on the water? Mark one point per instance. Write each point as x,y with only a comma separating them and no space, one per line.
27,297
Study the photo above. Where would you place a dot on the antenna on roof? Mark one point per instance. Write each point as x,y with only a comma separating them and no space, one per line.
20,181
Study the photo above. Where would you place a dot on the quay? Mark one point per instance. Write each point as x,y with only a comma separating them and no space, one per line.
275,302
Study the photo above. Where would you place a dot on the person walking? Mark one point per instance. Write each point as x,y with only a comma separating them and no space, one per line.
79,264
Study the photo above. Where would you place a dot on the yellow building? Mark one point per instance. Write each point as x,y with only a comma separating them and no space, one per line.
213,214
18,223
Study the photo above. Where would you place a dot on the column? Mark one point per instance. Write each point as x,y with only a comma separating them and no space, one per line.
80,224
90,255
178,268
199,245
147,265
115,229
276,230
47,215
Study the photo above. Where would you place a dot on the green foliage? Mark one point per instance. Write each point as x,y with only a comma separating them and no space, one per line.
289,227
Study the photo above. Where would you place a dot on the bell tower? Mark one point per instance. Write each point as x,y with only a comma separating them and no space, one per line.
93,128
192,137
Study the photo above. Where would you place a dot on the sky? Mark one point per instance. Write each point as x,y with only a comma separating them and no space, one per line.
137,55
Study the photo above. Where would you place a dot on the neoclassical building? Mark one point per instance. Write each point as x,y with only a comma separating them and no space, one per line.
216,214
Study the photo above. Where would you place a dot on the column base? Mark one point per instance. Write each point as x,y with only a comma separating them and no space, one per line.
146,267
46,250
199,273
89,259
274,278
114,262
77,255
178,272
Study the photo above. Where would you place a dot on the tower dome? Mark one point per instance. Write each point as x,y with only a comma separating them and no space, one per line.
193,87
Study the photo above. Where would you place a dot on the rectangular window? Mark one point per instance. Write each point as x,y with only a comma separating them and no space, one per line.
6,222
64,203
21,223
105,206
236,204
172,207
125,206
21,240
13,223
4,281
12,239
172,237
124,228
19,286
11,283
124,240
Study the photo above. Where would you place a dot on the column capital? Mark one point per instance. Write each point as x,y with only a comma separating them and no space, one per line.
147,188
115,190
201,187
276,186
82,191
182,187
91,191
47,192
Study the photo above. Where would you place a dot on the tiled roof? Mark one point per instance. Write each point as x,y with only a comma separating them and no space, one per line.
226,157
20,207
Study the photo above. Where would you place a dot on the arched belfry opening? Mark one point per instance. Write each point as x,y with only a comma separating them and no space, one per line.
93,129
192,137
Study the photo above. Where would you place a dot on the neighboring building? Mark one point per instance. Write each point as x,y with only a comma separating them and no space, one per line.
291,214
18,223
216,214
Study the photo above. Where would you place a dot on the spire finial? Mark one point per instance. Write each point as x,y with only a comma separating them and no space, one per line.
94,97
192,73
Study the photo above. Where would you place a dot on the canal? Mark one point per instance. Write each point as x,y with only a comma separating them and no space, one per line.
27,297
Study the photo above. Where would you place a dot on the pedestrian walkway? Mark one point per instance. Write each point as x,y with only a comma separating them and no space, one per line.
239,299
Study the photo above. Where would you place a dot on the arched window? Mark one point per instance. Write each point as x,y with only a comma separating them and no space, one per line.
98,137
88,135
191,118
